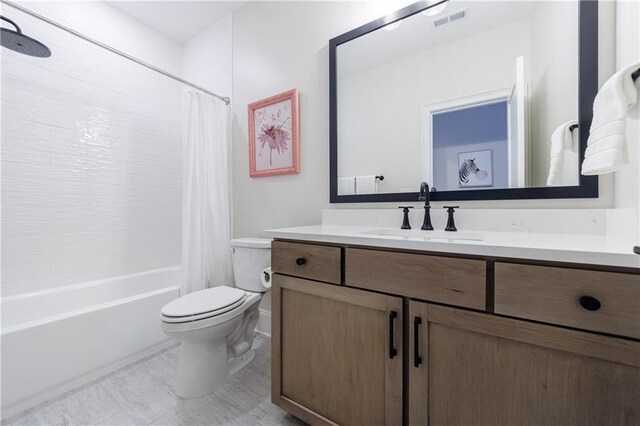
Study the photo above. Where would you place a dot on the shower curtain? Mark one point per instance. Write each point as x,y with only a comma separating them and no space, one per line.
205,195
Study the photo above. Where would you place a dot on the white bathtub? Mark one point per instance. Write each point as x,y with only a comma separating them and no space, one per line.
53,341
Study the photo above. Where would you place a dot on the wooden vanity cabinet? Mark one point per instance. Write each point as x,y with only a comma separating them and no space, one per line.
337,353
470,368
473,340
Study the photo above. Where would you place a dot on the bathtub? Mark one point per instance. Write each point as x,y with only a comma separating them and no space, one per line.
53,341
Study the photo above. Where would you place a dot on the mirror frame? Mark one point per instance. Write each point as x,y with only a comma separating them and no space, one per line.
587,89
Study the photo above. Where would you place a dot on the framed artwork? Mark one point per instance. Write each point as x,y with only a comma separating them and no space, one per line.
273,135
475,169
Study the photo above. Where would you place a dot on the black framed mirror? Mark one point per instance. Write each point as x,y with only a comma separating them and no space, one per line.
466,96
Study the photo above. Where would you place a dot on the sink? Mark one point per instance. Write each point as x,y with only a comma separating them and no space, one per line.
411,234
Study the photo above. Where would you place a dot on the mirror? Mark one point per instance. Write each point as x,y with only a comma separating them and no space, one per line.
467,96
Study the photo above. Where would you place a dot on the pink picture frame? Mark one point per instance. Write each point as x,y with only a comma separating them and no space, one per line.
274,146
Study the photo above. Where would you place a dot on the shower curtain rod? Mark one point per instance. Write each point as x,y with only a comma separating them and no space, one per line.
224,99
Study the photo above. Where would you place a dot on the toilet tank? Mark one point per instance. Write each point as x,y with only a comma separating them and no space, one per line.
249,257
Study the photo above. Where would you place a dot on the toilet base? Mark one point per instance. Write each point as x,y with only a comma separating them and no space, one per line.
202,368
237,364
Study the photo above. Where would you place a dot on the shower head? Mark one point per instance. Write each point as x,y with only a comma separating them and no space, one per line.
18,42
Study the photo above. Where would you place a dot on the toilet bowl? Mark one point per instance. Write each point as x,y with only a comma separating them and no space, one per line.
216,326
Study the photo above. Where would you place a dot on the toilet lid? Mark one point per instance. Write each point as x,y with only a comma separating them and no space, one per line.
203,302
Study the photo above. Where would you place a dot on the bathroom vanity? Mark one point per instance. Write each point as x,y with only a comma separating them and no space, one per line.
371,329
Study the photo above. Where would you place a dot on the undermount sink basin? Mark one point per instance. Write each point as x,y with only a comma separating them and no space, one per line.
425,235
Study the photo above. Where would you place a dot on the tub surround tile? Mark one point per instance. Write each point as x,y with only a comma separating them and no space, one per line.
80,150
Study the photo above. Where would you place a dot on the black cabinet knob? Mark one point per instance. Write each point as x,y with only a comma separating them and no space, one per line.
590,303
300,261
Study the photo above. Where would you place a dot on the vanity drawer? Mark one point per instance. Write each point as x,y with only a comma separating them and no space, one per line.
455,281
599,301
322,263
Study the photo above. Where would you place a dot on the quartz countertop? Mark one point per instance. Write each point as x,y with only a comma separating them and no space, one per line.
573,248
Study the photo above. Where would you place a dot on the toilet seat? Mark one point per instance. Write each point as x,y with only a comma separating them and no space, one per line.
203,304
187,325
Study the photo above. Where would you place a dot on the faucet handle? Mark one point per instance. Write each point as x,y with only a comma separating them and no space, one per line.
451,223
405,219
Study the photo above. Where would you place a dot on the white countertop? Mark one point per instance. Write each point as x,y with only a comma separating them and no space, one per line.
574,248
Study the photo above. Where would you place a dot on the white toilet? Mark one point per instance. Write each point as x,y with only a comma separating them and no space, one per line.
216,325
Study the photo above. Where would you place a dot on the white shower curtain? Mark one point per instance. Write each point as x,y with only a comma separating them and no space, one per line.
205,195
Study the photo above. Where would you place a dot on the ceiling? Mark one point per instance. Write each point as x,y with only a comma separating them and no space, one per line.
178,20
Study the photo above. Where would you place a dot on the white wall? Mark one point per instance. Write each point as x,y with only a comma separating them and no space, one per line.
277,47
627,52
207,57
91,161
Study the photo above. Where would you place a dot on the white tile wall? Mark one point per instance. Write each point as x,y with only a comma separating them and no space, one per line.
91,165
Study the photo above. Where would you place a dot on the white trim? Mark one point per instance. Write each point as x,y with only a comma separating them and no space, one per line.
74,384
484,98
264,322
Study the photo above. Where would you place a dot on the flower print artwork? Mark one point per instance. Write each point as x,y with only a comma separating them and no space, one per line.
273,135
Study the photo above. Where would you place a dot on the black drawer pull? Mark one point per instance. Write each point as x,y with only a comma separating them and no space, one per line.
301,261
590,303
392,351
417,359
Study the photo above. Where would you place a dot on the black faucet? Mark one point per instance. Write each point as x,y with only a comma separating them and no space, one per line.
451,223
424,196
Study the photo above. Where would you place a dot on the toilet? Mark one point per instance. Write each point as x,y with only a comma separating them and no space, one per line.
216,325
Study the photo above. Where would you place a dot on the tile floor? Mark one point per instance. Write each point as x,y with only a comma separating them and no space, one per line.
143,394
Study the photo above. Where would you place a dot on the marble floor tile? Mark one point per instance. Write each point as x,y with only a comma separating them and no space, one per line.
85,406
144,393
119,419
172,355
278,416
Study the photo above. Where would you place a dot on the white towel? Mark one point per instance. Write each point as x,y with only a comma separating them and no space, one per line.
366,185
607,144
347,186
562,139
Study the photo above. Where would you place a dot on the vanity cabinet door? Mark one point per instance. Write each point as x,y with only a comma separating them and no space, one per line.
336,353
481,369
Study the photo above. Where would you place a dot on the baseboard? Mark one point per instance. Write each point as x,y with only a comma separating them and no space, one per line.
264,322
74,384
